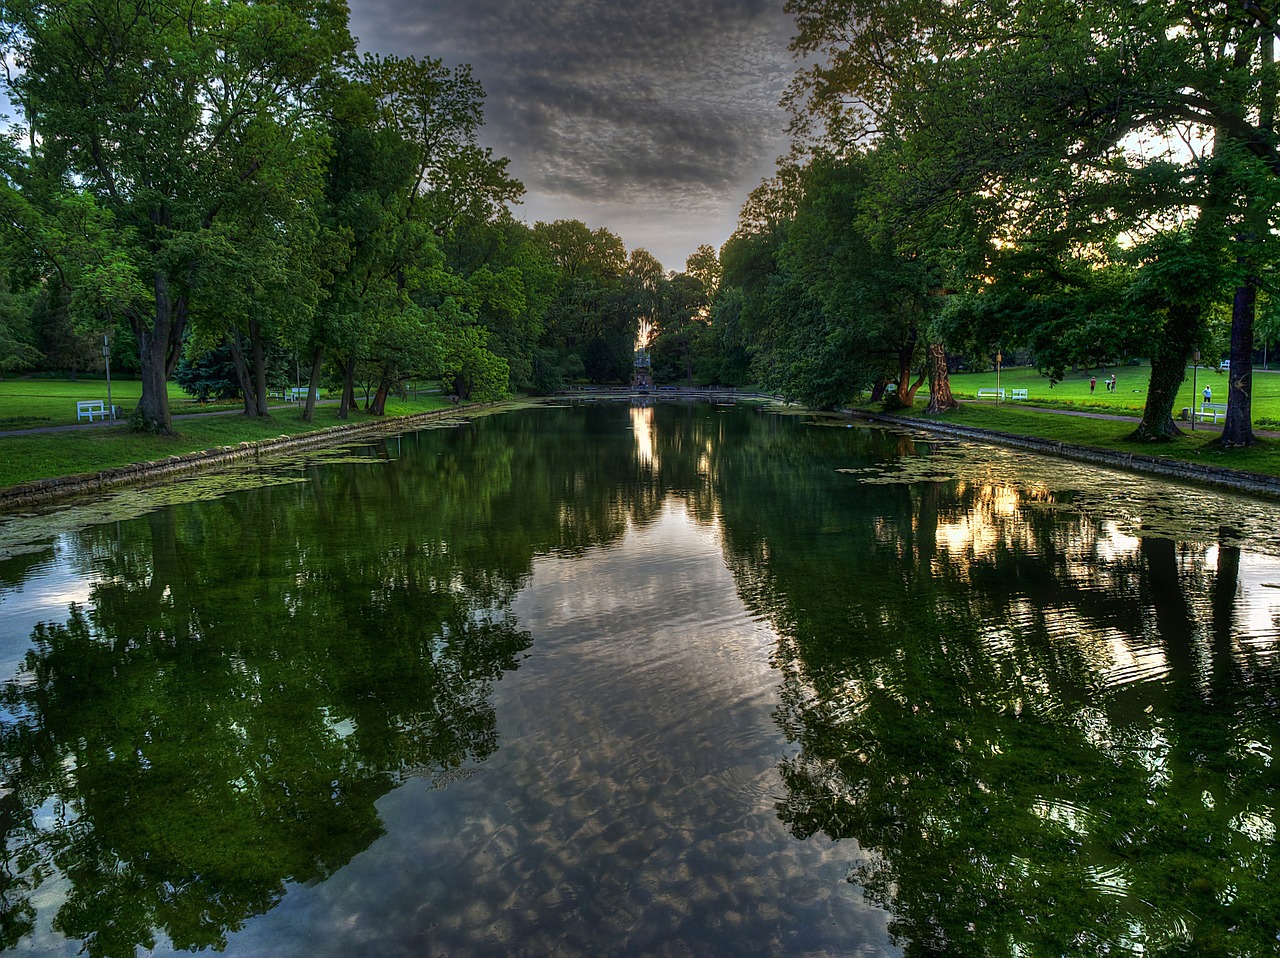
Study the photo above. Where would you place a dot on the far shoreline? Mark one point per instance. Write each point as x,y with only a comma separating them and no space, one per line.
51,490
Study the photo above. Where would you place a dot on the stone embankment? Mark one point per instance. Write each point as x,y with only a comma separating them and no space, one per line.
1236,479
48,490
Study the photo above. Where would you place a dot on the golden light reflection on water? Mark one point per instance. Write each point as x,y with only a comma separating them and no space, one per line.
642,429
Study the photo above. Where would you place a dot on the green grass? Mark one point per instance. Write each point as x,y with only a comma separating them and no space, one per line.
1131,390
31,403
1109,434
48,455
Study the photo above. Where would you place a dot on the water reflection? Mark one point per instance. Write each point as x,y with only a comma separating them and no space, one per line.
1032,705
244,682
1052,737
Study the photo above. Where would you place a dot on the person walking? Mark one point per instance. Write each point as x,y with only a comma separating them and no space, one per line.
1093,382
1113,382
1208,394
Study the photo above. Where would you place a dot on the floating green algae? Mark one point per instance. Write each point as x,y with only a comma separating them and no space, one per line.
1138,504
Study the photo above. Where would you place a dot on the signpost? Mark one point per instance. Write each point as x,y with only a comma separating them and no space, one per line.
1195,368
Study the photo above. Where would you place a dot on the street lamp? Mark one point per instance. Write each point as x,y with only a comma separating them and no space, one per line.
106,358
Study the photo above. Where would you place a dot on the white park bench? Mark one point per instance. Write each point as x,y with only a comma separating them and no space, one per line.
991,393
1018,394
298,393
1211,410
91,409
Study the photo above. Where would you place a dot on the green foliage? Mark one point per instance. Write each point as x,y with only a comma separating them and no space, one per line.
1059,132
467,368
209,376
17,349
832,298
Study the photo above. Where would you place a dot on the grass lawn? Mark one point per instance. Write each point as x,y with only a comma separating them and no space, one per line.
47,455
31,403
1131,390
1109,434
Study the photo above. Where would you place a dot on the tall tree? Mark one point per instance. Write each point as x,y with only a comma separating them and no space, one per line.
1079,117
414,124
164,115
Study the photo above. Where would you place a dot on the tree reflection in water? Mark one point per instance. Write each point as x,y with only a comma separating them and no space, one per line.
1044,736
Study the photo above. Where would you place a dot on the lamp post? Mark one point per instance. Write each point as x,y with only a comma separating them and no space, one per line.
999,357
1195,368
106,358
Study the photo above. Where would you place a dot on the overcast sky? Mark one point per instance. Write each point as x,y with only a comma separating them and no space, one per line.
653,118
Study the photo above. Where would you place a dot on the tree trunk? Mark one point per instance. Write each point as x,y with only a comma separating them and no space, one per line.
178,329
153,406
940,398
153,354
379,404
259,368
243,376
907,389
348,387
1237,431
309,410
1168,370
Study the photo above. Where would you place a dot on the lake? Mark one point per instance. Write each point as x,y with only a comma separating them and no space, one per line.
677,679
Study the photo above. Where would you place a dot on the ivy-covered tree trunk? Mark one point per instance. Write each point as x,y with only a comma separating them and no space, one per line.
940,398
1168,370
1238,428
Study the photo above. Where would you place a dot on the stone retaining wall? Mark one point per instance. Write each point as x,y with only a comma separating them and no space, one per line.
1193,472
48,490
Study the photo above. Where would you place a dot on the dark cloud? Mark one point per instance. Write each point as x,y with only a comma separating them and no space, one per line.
654,119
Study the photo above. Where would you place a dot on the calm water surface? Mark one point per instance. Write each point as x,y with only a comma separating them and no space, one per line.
684,680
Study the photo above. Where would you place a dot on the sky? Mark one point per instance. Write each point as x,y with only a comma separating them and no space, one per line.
653,118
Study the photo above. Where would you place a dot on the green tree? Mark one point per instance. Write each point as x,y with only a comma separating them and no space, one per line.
508,282
166,118
17,351
681,329
591,319
408,172
1028,120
